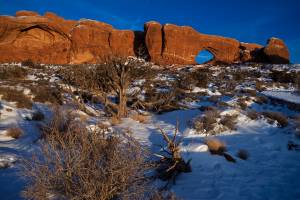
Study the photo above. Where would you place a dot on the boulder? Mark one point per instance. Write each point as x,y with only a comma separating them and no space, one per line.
276,51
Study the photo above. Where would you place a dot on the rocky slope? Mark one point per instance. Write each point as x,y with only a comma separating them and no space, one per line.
52,39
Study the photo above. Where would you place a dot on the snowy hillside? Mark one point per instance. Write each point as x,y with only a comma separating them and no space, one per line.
234,104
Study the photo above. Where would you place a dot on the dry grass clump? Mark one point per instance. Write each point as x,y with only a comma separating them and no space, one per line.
250,92
259,86
213,99
243,154
80,164
242,103
252,114
12,72
229,121
46,93
206,123
14,132
196,77
31,64
114,120
276,116
282,76
261,99
216,146
140,118
13,95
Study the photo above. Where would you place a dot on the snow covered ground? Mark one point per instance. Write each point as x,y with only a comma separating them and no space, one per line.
285,95
271,171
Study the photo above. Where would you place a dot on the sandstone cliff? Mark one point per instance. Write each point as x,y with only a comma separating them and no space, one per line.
52,39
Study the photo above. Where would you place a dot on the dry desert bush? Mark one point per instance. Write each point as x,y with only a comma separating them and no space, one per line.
110,78
207,122
252,114
13,95
14,132
276,116
215,146
140,118
171,163
261,99
229,121
46,93
77,164
243,154
31,64
12,72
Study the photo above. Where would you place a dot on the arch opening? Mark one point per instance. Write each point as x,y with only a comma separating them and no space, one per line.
204,56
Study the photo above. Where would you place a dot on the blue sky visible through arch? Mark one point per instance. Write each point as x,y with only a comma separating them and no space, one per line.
246,20
203,56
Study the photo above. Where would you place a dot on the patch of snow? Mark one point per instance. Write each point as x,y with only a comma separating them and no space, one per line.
288,96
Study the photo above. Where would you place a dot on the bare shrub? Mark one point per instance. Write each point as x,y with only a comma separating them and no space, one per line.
13,95
208,108
160,102
243,154
281,76
28,63
216,146
250,92
196,77
81,164
206,123
229,121
14,132
114,120
277,116
171,163
261,99
222,104
110,78
140,118
46,93
259,86
242,103
12,72
213,99
252,114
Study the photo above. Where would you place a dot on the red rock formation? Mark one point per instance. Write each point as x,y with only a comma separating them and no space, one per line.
171,44
276,51
52,39
251,52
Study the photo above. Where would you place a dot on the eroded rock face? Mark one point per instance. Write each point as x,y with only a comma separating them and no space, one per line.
52,39
251,52
276,51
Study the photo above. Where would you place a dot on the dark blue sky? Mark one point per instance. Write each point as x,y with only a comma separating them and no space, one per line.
245,20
